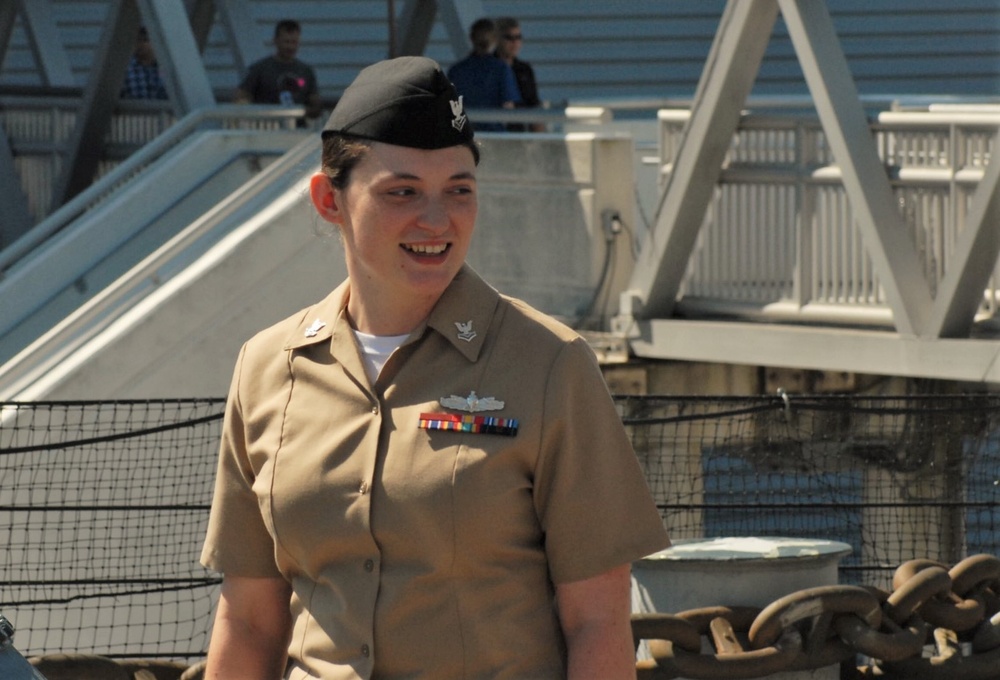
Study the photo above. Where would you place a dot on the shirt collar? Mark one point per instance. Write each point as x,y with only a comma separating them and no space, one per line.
464,312
462,315
318,322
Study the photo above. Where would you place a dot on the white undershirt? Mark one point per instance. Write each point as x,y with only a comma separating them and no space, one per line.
376,349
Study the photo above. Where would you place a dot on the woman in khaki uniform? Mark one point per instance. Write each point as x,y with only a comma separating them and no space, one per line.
420,477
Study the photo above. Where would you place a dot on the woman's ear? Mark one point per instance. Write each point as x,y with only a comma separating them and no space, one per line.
325,198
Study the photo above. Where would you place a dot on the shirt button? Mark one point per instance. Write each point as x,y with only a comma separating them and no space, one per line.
369,565
365,651
363,489
375,409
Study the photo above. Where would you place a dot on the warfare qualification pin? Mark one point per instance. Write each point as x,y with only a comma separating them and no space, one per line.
472,403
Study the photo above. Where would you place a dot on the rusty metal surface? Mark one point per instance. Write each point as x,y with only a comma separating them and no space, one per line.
936,624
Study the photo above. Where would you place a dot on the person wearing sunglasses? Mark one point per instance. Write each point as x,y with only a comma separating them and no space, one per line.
507,50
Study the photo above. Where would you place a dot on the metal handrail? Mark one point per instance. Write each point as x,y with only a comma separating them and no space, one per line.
195,120
73,208
148,275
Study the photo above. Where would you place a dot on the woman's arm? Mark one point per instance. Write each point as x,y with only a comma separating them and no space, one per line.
251,632
595,618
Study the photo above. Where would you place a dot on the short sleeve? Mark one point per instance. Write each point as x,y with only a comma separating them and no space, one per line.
237,540
590,493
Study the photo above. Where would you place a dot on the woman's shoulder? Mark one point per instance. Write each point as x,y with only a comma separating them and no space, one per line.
306,326
513,317
529,323
276,334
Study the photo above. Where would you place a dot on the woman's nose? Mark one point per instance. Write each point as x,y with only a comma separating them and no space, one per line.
434,216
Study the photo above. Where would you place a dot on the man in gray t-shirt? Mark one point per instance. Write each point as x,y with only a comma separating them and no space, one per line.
282,78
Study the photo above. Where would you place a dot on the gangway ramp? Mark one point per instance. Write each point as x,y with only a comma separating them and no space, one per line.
172,324
86,278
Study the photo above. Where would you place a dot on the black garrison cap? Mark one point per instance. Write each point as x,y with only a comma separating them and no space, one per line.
407,101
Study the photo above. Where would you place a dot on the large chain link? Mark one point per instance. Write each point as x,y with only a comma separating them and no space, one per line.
936,624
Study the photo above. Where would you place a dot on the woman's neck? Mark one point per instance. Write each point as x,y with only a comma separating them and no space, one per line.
387,318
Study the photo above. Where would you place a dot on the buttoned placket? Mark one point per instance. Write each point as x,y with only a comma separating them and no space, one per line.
371,564
345,351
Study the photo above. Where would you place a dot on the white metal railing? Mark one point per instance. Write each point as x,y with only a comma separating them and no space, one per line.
142,279
147,121
39,129
780,239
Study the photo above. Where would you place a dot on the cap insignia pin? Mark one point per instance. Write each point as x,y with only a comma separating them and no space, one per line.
314,328
465,331
458,122
471,403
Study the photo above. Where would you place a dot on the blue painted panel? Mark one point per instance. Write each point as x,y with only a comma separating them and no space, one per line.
777,503
983,486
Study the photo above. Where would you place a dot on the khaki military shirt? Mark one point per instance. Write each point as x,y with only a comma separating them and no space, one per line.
422,552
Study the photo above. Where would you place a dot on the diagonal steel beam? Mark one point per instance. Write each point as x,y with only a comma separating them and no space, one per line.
416,20
968,272
236,21
85,147
180,65
16,217
729,75
177,55
46,45
242,33
457,16
8,16
201,14
883,230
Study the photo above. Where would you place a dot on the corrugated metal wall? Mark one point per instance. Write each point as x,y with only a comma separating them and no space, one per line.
585,49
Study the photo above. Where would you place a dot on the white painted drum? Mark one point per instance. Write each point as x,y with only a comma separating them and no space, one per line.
750,572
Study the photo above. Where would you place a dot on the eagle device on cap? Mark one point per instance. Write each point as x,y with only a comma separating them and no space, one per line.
407,101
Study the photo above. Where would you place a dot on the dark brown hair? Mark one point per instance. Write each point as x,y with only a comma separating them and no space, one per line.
287,26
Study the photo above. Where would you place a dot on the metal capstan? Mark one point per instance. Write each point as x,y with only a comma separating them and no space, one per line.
13,666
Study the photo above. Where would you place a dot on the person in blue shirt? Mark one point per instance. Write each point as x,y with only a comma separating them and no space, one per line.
483,80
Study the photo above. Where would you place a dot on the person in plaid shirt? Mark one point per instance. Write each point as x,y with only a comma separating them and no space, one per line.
142,78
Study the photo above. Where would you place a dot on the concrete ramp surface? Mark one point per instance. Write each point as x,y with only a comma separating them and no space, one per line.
107,310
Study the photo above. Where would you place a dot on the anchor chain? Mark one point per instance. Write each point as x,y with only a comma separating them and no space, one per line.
936,624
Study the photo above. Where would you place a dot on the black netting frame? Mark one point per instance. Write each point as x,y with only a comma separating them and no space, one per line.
103,505
896,478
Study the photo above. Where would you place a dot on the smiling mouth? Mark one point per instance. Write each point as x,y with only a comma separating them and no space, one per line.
419,249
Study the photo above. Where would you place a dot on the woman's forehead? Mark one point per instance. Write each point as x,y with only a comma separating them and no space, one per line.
384,157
